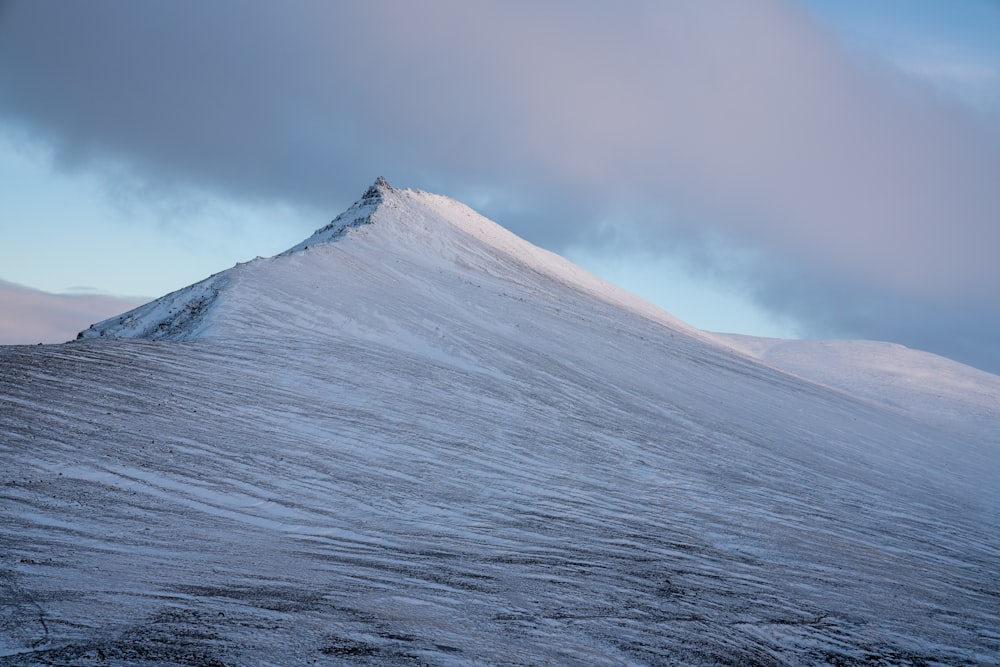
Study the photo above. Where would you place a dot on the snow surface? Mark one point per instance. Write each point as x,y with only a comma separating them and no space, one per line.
421,440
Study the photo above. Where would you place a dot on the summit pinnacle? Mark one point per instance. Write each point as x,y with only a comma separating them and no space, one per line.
377,189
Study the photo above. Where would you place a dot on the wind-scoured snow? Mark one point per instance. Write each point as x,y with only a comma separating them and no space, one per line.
421,440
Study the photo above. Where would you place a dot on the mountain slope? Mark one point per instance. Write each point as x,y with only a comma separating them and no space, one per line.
420,440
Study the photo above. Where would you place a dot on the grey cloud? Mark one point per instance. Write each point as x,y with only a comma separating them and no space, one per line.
681,120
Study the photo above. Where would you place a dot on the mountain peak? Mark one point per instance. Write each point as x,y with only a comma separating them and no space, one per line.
377,190
360,213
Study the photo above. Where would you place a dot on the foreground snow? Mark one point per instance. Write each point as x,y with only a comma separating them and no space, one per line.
422,441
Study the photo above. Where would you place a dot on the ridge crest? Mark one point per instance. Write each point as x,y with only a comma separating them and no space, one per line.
359,214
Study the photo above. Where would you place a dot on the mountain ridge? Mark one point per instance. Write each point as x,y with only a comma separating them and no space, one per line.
360,213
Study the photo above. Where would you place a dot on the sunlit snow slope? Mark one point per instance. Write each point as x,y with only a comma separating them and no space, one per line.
416,439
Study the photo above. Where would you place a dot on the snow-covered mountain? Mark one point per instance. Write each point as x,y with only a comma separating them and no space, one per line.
415,438
412,260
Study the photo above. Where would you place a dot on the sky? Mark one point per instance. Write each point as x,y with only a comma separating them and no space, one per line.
788,168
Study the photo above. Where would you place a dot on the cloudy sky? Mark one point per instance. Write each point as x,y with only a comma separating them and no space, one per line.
817,168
